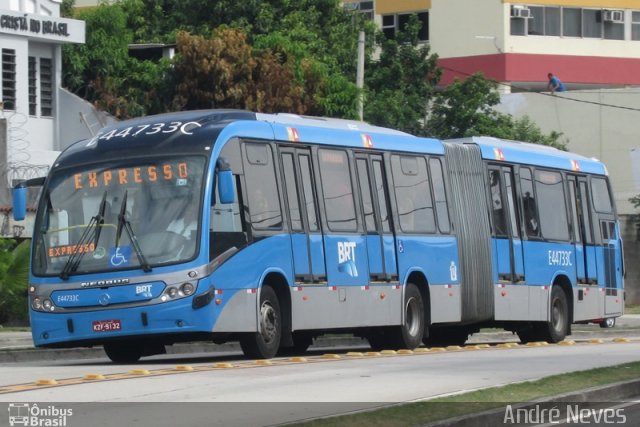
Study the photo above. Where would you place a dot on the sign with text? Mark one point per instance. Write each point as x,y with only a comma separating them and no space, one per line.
42,27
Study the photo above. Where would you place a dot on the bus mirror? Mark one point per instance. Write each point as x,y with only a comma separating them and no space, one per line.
19,202
225,187
225,182
20,196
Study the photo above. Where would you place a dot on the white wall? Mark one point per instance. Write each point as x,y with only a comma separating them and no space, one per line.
573,46
593,129
455,25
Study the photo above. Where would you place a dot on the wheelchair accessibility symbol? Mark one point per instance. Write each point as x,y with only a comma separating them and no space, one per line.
119,256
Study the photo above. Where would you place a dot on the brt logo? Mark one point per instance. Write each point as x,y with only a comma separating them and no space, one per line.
347,258
346,252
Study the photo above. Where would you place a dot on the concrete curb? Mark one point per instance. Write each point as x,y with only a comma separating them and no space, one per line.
612,393
31,354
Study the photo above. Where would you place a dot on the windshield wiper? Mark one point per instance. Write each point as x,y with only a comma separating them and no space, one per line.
123,222
95,227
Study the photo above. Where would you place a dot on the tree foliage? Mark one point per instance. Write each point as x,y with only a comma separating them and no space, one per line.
401,83
14,277
295,56
101,70
466,108
224,71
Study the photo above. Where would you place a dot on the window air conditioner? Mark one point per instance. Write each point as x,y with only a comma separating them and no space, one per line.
520,12
616,16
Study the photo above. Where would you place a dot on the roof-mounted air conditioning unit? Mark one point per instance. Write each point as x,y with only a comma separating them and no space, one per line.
616,16
518,11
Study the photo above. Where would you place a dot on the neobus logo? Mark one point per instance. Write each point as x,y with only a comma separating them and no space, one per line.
101,283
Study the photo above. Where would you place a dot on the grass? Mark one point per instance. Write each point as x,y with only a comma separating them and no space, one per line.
413,414
14,329
632,309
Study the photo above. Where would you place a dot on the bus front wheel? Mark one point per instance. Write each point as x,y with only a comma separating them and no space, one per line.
264,344
409,334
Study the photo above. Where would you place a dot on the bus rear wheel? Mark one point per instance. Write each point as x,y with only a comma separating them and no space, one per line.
123,352
265,343
558,326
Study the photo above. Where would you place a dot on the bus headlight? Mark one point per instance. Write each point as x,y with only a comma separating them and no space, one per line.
36,304
187,289
172,292
47,304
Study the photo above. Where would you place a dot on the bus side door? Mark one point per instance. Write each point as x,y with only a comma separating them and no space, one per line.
306,235
376,214
343,234
508,248
609,247
583,230
586,305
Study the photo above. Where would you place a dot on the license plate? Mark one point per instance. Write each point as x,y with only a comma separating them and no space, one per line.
106,325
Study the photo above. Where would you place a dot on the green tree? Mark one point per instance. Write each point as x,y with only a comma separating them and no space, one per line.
466,108
635,201
303,51
225,71
14,277
402,82
101,70
66,8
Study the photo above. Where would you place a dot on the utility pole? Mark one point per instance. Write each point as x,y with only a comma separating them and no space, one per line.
360,75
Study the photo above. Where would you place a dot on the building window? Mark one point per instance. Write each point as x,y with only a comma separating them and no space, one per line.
33,86
46,87
635,25
365,8
613,30
392,24
552,21
9,79
570,22
592,23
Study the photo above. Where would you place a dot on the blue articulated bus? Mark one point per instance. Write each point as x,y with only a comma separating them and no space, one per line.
271,230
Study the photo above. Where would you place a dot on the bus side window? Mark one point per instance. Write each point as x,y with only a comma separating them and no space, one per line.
552,207
529,205
337,190
440,196
262,189
413,196
226,226
497,204
601,197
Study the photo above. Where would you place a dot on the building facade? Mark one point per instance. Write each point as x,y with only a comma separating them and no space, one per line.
587,43
31,35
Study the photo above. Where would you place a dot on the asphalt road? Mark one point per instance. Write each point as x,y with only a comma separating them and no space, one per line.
235,391
226,389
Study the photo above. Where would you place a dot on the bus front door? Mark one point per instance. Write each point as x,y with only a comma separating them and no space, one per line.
306,236
377,222
507,245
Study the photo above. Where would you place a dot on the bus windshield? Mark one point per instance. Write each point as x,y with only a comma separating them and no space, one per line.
90,217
